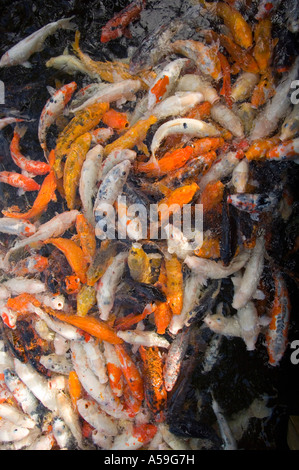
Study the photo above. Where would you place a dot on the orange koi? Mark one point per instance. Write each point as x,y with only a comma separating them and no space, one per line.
91,325
160,87
72,284
125,323
259,148
72,168
45,195
200,111
234,21
162,316
31,166
87,237
130,372
82,122
226,89
73,254
212,195
74,388
133,136
209,249
264,45
18,180
246,61
174,284
154,389
263,91
21,303
177,197
277,334
169,162
116,120
117,26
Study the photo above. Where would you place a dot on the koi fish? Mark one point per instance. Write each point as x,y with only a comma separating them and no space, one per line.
174,286
20,53
245,60
73,254
86,236
228,119
234,21
115,375
287,150
31,166
267,8
130,372
196,83
45,195
52,109
290,127
18,180
244,86
133,136
226,434
81,123
264,45
117,26
259,148
165,82
277,333
86,299
240,176
263,91
155,393
177,105
116,120
253,203
174,360
73,166
144,338
8,120
205,57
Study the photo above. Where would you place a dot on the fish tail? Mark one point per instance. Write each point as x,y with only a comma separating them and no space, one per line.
20,130
66,23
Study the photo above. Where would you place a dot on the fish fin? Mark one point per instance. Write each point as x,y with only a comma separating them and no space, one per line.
66,51
66,23
20,192
27,64
143,148
20,130
51,90
164,189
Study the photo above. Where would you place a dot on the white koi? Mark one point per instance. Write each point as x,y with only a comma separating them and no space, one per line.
64,329
96,360
145,338
44,442
290,126
37,384
174,442
15,416
126,89
63,435
196,83
250,325
174,360
229,442
223,167
92,413
20,53
88,180
177,104
227,119
107,285
251,276
57,364
69,416
9,432
114,158
18,285
240,176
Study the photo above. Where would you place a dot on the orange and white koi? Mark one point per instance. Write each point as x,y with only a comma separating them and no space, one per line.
21,228
288,150
52,109
192,127
45,195
277,333
205,57
101,135
18,180
31,265
130,371
165,82
33,167
115,375
267,8
259,148
20,53
134,437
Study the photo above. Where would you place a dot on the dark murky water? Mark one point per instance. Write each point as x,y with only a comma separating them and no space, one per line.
239,376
